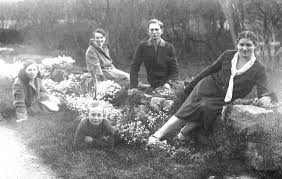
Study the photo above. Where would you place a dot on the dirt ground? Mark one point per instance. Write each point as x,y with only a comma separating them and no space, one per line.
17,162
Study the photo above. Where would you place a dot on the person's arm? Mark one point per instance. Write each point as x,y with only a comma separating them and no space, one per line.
112,132
173,68
19,101
264,94
135,67
213,68
79,137
93,62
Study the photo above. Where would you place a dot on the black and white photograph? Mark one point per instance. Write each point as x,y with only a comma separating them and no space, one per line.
140,89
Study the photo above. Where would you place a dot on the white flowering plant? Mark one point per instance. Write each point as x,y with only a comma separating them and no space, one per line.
77,91
164,91
48,64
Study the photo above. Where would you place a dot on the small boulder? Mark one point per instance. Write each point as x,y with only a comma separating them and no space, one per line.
167,105
157,103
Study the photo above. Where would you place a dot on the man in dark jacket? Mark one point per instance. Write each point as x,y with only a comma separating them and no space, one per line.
158,57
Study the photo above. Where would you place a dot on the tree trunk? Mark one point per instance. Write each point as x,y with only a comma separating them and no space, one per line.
227,10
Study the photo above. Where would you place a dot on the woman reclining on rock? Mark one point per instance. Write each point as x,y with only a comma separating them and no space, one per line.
231,76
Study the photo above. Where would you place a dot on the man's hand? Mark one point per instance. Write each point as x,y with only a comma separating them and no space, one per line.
264,101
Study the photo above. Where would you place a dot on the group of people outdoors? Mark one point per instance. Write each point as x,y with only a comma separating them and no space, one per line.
231,76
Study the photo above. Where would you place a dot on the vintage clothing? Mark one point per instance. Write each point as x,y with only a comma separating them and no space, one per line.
207,98
99,62
160,63
85,128
32,98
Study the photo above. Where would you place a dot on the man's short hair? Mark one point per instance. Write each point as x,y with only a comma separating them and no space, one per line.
156,21
99,30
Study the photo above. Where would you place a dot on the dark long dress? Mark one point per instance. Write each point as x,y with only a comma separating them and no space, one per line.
207,98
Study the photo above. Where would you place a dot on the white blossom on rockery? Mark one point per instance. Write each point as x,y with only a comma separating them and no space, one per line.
156,119
108,89
164,91
132,131
49,84
77,103
48,64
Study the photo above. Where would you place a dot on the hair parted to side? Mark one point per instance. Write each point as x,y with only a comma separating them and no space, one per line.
99,30
155,21
94,104
248,35
22,74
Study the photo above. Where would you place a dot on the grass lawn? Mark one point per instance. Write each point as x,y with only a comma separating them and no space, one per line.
51,137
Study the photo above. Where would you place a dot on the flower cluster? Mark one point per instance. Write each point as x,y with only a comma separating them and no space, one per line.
48,64
164,91
133,132
76,103
156,119
107,90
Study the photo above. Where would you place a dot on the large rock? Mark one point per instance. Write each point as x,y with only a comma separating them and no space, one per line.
255,134
58,75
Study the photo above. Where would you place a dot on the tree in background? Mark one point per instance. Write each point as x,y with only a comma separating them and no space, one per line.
199,29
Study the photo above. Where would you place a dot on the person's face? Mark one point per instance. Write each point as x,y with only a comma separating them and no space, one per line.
96,115
31,71
99,39
155,31
246,48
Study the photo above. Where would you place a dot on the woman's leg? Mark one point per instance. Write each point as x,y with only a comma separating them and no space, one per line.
188,128
170,125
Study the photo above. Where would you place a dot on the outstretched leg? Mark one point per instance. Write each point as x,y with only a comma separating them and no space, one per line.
169,126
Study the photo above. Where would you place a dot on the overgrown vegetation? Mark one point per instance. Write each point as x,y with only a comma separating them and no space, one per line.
197,28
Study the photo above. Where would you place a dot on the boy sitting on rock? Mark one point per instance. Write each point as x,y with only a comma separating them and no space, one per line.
92,129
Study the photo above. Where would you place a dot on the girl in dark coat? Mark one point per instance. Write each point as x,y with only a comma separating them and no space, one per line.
29,94
231,76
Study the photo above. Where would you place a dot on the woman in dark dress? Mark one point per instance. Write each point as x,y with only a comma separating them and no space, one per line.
231,76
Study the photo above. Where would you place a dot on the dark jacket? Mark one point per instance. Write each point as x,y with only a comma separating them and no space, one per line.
161,64
220,71
85,128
